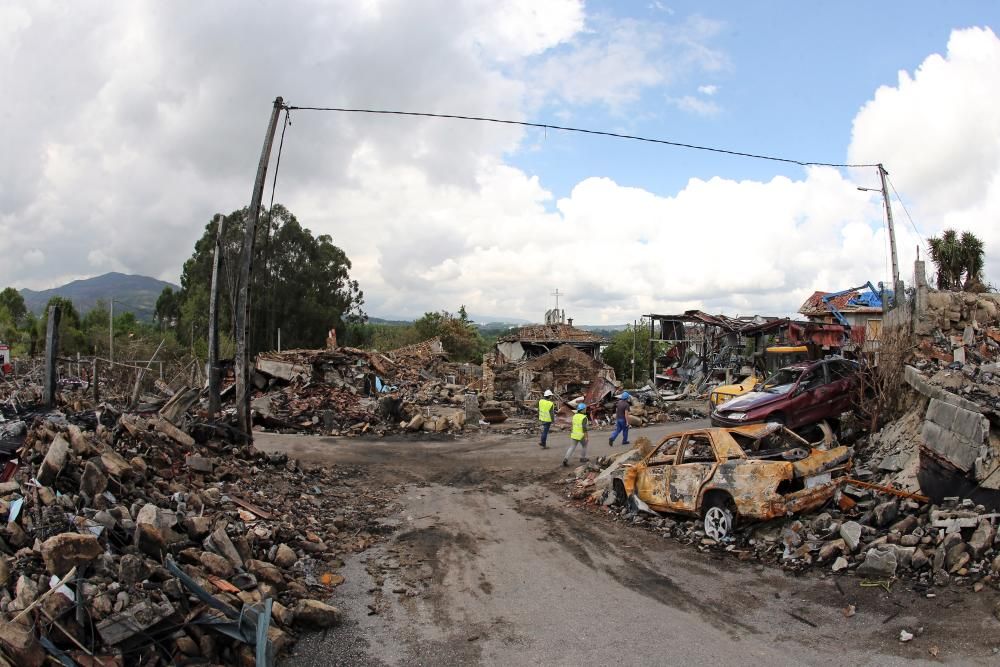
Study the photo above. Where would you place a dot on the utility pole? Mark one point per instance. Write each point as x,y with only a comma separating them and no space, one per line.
634,325
896,287
242,315
111,335
214,401
51,356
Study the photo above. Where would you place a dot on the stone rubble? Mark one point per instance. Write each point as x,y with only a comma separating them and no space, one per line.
120,505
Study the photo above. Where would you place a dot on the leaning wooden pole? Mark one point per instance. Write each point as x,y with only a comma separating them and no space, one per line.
214,379
51,356
242,315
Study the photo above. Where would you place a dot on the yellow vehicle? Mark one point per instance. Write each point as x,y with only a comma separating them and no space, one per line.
775,357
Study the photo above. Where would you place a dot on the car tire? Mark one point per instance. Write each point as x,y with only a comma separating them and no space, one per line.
719,518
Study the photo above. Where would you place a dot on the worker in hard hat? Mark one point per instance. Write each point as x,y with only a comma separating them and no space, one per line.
546,415
621,419
578,434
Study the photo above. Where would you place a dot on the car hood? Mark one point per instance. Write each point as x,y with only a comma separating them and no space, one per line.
750,401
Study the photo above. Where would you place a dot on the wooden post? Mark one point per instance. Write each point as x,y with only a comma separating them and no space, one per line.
140,372
51,356
242,315
214,379
93,379
111,333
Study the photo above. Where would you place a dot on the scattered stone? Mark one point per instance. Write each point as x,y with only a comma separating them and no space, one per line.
54,461
905,636
880,562
217,565
982,539
285,556
20,644
850,532
314,613
61,553
885,513
839,564
956,557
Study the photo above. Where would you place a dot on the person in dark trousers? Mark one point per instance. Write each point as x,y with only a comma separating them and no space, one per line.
546,415
578,434
621,419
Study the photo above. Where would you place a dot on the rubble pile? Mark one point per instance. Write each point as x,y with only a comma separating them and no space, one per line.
947,442
145,541
346,391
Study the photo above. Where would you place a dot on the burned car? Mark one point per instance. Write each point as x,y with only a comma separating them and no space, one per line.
796,396
725,475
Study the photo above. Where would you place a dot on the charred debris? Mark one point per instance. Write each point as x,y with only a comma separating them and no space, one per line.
919,501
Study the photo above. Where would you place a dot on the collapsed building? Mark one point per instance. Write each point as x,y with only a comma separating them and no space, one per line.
537,339
694,351
947,443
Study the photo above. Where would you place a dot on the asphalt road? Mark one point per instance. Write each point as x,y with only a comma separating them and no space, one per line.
488,563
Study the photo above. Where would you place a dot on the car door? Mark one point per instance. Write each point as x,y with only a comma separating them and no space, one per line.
843,376
651,483
799,406
696,462
824,395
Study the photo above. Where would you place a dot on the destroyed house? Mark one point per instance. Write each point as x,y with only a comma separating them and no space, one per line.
535,340
565,370
695,344
862,311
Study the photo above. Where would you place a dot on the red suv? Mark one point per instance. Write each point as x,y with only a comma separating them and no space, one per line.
797,395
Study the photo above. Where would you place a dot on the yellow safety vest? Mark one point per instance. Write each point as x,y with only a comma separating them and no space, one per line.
545,410
578,420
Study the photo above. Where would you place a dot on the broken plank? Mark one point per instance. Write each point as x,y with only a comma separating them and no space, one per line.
130,622
262,513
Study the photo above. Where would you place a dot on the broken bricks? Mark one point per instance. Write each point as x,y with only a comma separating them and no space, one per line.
122,503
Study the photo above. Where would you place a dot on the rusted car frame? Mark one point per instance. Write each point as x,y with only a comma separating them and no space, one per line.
755,472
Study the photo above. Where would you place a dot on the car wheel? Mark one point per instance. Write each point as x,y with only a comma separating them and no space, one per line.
719,518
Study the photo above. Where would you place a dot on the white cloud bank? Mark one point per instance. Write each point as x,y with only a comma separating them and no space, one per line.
140,120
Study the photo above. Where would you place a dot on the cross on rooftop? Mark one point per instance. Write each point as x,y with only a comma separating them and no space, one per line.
557,294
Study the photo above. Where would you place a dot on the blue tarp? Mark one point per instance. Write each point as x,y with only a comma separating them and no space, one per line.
868,298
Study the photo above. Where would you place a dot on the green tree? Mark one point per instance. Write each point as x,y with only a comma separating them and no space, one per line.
959,260
301,283
12,300
618,354
460,338
71,338
168,308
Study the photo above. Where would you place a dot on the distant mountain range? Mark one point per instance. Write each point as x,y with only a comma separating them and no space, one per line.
136,294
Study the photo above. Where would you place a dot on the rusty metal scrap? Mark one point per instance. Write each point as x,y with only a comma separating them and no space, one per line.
886,489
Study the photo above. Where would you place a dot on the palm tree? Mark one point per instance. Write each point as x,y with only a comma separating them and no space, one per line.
946,255
955,257
972,258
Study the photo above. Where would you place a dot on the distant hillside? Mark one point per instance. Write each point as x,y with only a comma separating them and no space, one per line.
137,294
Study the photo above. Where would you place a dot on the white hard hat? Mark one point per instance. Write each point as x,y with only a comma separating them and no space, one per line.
548,392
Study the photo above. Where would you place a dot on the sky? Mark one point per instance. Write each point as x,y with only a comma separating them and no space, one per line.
128,125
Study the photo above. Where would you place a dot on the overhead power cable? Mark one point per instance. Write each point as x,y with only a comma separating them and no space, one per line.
564,128
916,231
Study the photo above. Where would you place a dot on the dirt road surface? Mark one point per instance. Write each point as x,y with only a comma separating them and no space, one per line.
488,563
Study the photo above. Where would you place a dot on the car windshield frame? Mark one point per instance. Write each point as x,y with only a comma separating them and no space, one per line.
779,382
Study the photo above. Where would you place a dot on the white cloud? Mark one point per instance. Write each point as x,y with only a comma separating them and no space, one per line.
696,105
938,134
616,60
138,121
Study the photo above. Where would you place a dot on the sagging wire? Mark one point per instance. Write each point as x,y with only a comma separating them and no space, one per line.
920,237
547,126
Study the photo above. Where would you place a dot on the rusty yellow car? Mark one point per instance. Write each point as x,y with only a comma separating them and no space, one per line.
725,475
